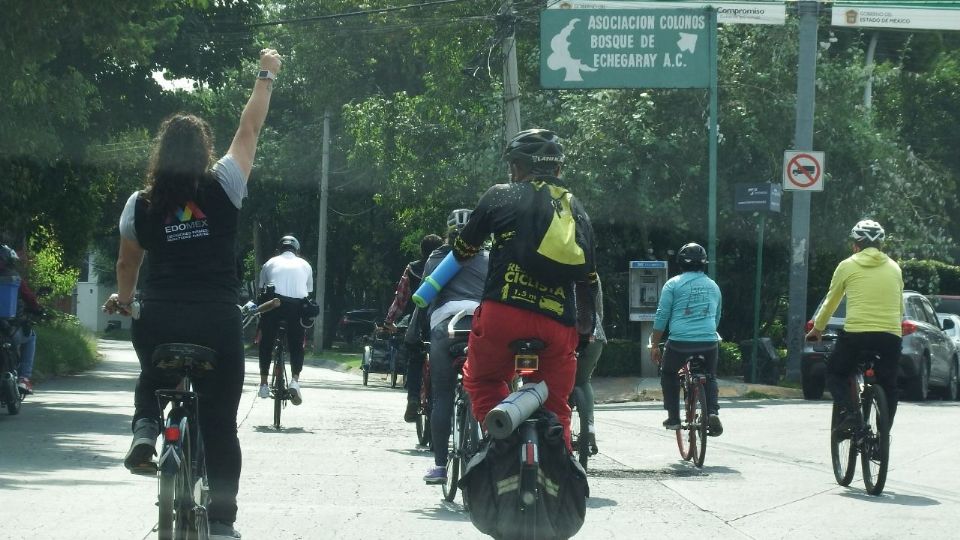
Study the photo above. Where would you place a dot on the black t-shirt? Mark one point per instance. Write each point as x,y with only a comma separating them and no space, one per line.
497,214
191,253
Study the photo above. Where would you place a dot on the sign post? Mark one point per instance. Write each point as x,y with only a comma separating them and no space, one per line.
759,198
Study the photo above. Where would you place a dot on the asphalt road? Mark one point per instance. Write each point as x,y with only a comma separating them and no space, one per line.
345,466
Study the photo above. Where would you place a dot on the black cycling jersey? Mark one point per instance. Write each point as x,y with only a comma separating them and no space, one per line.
507,282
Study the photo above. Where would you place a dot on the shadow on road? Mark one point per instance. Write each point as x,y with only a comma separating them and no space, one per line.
890,497
447,511
600,502
418,451
282,430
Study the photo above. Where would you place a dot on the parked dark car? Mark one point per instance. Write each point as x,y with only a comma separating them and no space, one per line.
357,322
928,358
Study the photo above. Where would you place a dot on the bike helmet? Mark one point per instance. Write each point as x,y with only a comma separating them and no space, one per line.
458,218
691,254
290,242
8,256
538,148
867,230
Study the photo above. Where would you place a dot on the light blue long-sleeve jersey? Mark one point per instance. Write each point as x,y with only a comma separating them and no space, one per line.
690,303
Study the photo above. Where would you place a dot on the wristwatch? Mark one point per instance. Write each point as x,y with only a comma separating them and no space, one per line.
266,74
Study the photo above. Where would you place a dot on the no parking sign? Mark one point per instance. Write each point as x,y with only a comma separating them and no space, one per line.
802,170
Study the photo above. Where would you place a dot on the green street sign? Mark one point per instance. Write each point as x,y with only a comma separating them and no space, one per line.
625,48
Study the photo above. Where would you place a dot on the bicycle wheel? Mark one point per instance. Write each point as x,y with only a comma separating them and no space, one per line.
457,425
843,453
582,442
685,439
279,381
423,418
698,431
875,450
471,443
168,488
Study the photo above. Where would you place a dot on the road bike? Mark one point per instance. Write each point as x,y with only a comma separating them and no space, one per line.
278,381
871,436
184,488
465,434
692,433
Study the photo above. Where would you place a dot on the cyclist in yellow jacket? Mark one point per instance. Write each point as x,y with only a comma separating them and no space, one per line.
873,285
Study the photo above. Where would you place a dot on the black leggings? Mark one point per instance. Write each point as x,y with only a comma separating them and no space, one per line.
845,356
213,325
673,358
289,311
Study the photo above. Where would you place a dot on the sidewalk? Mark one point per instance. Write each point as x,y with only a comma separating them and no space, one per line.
622,389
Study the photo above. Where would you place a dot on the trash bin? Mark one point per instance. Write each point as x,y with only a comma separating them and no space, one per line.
768,362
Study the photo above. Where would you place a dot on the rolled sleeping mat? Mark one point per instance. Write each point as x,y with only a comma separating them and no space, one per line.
503,419
432,284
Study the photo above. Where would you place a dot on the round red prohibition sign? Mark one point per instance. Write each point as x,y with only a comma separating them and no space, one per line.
803,166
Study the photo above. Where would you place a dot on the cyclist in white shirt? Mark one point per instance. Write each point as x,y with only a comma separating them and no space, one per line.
292,281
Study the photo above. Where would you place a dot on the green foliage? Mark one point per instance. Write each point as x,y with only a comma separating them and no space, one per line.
730,363
63,347
921,276
47,267
620,358
949,276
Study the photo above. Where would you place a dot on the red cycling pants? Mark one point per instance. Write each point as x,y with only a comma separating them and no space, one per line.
490,364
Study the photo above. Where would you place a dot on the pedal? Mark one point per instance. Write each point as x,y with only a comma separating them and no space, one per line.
144,469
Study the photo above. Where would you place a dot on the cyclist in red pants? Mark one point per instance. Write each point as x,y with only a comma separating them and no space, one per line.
517,304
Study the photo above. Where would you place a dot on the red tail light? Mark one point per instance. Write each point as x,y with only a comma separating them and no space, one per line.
908,327
171,434
808,327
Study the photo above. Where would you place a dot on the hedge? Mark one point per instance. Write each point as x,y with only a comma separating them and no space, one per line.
63,347
921,276
621,358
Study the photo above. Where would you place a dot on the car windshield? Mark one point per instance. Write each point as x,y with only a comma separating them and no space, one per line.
840,312
946,304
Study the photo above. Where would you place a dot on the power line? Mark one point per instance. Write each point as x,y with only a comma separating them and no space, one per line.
353,13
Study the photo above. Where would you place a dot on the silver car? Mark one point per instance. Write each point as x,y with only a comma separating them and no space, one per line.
928,360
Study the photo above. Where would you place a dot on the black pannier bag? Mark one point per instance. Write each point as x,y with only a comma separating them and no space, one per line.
492,479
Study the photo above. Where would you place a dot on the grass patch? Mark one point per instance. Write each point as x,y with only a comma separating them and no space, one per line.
63,347
754,394
348,360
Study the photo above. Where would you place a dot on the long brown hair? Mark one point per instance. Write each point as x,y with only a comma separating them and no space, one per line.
181,159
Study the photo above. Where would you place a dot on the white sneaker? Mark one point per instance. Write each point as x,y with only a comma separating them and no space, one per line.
294,390
264,392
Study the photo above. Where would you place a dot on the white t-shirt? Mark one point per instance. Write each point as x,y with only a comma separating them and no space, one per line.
291,275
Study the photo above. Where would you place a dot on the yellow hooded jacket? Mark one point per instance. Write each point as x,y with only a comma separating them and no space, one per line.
873,285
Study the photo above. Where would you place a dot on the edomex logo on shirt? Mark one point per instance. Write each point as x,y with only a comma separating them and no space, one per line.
187,222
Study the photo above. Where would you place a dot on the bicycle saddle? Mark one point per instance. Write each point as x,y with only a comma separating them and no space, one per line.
177,356
697,363
527,344
458,349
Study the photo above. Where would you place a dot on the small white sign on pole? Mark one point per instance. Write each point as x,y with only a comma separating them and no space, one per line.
878,16
802,170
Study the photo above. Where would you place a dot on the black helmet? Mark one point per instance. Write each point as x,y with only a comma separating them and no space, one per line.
867,230
290,241
539,148
691,254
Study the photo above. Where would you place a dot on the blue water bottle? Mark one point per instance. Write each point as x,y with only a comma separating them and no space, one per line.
432,284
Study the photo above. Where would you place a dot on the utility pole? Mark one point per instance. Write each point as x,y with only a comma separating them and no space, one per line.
800,227
511,86
320,287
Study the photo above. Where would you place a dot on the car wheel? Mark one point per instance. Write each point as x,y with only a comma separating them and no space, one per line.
919,387
812,387
951,391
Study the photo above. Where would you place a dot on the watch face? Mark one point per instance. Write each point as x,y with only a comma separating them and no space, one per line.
264,74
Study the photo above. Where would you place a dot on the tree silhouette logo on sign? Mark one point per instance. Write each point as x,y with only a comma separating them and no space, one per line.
560,55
